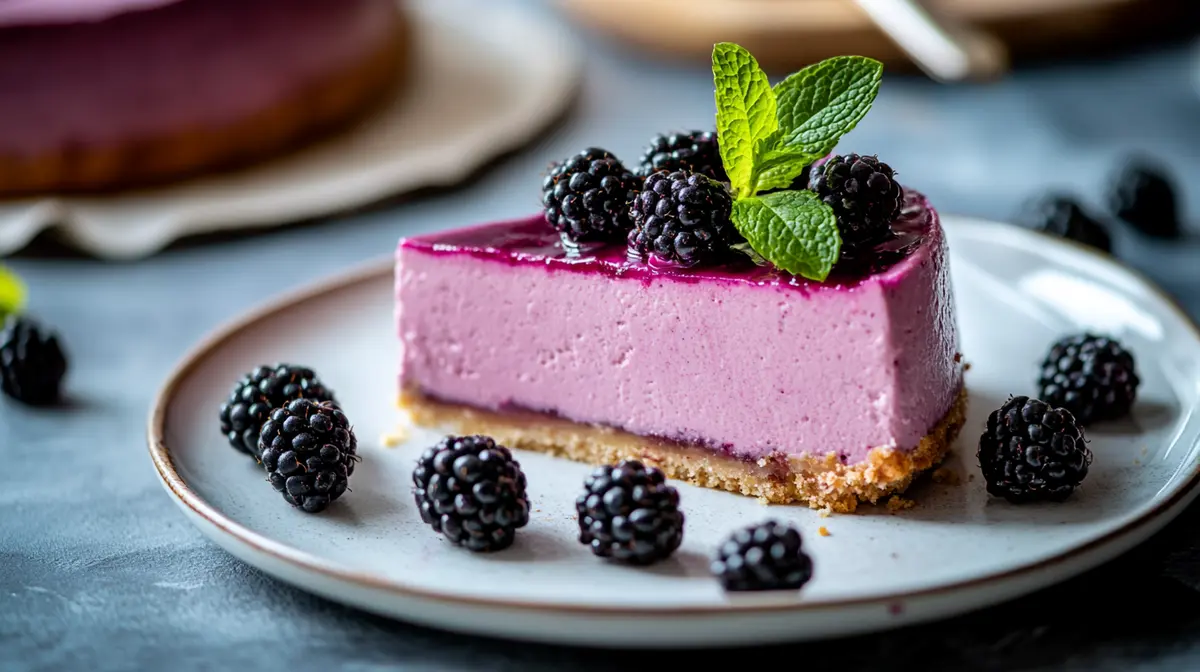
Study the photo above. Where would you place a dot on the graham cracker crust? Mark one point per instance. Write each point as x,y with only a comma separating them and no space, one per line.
820,482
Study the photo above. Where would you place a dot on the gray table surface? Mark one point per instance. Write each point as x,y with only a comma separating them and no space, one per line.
98,570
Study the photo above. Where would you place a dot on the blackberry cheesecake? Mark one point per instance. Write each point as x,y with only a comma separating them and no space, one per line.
786,333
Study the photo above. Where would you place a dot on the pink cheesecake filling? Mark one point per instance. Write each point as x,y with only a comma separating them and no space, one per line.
170,67
745,359
34,12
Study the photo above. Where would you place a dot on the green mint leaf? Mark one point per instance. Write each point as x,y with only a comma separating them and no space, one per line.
745,112
793,230
780,168
12,292
823,102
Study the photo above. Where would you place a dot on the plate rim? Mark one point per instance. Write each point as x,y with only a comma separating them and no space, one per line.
296,559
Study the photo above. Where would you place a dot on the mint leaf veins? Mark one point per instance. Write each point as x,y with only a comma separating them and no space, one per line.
746,117
768,136
792,229
823,102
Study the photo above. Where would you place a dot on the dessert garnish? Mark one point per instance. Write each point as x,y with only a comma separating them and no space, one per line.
1058,214
1031,451
257,393
694,151
586,197
627,512
1091,376
767,556
682,217
769,136
309,451
32,361
472,491
1142,195
864,195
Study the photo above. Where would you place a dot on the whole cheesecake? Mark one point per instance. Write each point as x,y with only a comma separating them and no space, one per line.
110,94
739,376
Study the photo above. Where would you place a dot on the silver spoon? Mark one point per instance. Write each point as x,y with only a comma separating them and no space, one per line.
946,50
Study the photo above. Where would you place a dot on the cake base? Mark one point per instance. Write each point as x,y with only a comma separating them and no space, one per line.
821,482
313,111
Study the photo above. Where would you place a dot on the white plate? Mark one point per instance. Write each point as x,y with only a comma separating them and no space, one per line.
475,93
955,551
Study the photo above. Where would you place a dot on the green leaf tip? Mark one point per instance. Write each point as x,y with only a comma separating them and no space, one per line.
824,101
746,117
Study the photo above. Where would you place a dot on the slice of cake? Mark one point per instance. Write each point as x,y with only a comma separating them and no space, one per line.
114,94
653,318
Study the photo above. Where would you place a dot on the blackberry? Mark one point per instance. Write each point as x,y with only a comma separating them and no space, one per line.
1060,215
1031,451
627,512
767,556
309,450
683,218
472,491
865,196
1091,376
257,393
586,197
32,363
695,152
1141,195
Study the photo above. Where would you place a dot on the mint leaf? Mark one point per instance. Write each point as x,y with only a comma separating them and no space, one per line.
745,112
823,102
793,230
12,292
780,169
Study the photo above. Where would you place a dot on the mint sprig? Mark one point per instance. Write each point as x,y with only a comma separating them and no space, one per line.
767,137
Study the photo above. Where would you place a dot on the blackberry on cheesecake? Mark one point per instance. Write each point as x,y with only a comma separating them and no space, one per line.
683,218
586,197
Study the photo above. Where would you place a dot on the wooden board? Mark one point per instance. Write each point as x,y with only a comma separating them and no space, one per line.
788,34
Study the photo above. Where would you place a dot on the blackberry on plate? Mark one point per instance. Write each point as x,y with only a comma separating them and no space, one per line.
1091,376
767,556
865,196
309,450
1060,215
683,218
1143,196
472,491
628,512
32,363
1032,451
586,197
259,391
695,152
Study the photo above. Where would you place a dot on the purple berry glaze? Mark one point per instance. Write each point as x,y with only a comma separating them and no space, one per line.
530,241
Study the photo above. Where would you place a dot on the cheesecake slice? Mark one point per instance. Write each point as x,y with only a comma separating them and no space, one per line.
739,377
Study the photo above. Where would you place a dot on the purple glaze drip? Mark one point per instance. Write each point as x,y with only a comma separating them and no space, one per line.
531,240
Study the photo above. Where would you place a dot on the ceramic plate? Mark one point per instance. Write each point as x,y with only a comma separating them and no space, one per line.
475,93
956,550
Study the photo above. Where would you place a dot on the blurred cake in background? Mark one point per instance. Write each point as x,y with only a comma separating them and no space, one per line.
113,94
